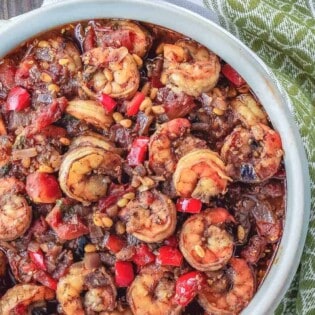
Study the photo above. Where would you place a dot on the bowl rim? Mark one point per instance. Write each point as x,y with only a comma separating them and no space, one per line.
252,69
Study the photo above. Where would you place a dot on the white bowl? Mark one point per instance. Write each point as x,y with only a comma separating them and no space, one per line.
252,70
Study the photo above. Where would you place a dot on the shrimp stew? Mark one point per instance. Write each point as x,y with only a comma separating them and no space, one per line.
139,174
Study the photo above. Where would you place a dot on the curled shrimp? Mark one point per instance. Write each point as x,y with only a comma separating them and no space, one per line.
100,295
114,72
189,68
200,174
151,292
15,213
248,111
120,33
151,217
230,292
252,155
162,159
85,172
21,296
204,241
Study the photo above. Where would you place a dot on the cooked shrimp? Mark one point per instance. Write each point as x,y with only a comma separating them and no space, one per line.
114,71
85,172
95,140
100,295
189,68
200,174
21,296
231,292
162,159
15,213
252,155
120,33
91,112
151,217
204,241
151,292
248,110
5,150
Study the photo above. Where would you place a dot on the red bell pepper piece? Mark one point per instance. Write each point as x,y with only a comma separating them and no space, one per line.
138,151
38,259
108,102
68,230
18,99
189,205
169,256
124,273
232,75
143,255
187,287
45,279
114,243
134,104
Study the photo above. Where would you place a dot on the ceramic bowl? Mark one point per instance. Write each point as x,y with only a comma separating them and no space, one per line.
252,70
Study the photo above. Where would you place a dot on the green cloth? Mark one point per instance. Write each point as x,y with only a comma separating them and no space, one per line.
282,33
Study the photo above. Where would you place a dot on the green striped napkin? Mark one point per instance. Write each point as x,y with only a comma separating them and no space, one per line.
282,33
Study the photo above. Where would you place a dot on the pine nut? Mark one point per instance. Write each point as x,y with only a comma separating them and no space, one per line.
64,141
120,228
43,44
145,103
129,196
153,93
53,88
138,60
90,248
218,111
122,202
118,117
126,123
107,222
45,77
158,109
63,61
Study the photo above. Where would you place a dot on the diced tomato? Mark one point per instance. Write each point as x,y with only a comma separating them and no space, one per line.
42,187
187,287
171,241
47,115
38,259
108,102
124,273
189,205
115,243
134,104
232,75
18,99
65,230
138,151
46,279
169,256
143,255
